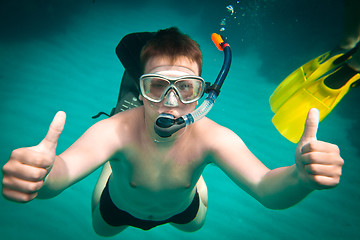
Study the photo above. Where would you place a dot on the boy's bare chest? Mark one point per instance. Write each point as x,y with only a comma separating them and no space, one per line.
158,170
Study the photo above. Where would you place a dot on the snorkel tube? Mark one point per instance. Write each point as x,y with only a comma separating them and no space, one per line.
166,124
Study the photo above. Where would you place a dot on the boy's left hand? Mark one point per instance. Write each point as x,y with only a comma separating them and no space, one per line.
318,163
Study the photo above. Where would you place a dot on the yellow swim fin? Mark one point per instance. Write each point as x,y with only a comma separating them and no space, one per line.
320,83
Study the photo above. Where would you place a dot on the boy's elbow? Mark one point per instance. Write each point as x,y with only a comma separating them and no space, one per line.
276,206
276,203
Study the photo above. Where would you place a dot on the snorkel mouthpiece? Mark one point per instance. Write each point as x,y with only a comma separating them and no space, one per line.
166,124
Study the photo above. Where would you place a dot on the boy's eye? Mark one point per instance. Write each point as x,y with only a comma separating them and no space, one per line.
157,83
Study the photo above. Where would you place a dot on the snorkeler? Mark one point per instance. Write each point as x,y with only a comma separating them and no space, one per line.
149,180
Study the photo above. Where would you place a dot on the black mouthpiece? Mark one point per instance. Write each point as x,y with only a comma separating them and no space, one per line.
166,125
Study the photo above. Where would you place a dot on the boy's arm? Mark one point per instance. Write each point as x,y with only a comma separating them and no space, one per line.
83,157
318,166
38,172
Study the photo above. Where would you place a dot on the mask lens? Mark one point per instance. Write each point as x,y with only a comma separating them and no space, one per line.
154,87
189,89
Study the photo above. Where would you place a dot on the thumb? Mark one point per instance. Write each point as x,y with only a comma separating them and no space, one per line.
55,129
311,126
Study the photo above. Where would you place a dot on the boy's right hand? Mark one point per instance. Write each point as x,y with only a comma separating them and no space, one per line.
24,173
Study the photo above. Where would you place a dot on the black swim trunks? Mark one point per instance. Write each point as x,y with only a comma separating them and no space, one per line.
116,217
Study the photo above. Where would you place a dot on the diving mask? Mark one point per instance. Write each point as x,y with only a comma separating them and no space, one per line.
154,87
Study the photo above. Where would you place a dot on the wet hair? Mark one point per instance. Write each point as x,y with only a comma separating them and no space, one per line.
171,43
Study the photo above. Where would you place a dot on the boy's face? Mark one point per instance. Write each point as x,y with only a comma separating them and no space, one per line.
171,103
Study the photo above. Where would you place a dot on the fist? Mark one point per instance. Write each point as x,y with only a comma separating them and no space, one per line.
318,163
26,169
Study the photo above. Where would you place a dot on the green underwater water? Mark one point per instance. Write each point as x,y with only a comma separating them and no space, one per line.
60,55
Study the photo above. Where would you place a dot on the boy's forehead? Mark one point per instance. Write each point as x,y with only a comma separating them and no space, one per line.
184,64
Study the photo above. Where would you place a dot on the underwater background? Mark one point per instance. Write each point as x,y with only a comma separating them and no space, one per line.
60,55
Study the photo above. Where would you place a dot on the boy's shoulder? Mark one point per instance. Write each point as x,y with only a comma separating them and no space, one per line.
212,133
123,123
210,127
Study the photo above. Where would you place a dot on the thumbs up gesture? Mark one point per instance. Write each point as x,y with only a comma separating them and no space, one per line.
318,163
24,173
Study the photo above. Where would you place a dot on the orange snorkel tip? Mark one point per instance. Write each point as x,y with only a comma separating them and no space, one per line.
218,41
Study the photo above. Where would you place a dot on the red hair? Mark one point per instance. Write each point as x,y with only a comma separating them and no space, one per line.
171,43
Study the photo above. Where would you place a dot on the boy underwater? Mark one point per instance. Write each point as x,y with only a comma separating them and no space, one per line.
148,180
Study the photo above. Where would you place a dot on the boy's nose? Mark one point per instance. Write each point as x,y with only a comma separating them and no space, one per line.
171,100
